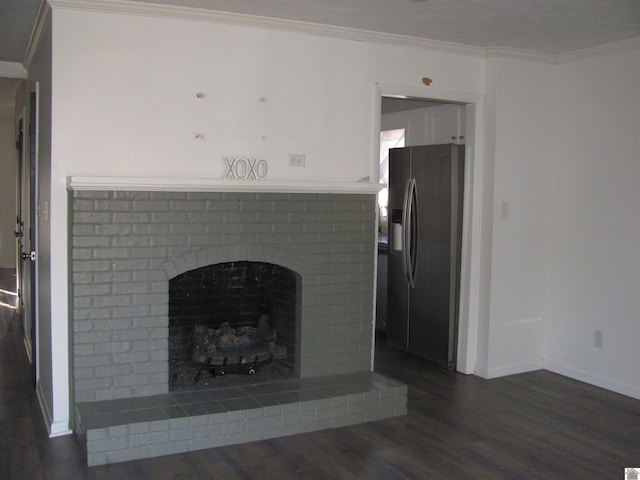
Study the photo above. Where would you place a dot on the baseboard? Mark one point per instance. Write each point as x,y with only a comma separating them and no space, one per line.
593,379
507,370
28,347
55,429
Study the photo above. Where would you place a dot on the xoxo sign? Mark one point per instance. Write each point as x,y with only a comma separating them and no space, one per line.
245,168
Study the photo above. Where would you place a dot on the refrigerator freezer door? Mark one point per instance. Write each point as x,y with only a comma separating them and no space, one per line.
397,285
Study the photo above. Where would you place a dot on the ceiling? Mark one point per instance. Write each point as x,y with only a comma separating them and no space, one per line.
542,26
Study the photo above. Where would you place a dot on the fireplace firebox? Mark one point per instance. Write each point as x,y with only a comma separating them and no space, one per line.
238,318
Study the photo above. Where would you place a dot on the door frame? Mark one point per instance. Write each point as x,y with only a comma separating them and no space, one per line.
33,106
470,271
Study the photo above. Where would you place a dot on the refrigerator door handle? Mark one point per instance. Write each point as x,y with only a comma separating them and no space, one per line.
405,231
409,232
412,234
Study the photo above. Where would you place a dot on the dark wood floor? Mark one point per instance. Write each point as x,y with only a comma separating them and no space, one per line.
535,426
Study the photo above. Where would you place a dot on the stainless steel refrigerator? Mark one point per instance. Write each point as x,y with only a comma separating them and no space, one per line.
425,235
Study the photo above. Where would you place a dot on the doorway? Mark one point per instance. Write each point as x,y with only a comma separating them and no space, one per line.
29,181
25,232
455,118
18,115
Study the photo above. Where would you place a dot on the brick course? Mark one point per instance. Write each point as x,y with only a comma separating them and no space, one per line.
127,245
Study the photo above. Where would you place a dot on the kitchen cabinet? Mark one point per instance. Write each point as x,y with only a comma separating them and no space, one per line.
445,124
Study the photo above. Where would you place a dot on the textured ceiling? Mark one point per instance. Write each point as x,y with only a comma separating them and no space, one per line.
16,21
543,26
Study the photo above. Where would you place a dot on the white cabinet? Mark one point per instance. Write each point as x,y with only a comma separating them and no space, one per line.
433,125
445,124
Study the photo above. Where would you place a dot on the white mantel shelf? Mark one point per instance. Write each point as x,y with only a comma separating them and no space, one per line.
78,183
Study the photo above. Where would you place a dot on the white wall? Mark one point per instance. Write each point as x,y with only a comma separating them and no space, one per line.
8,175
518,127
594,249
124,104
137,79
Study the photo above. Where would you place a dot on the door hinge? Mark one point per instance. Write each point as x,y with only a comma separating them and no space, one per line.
29,256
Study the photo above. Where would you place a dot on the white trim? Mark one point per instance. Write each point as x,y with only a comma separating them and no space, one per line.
602,381
240,19
35,315
29,348
59,429
12,70
580,375
513,369
429,93
36,32
472,215
78,183
470,260
229,18
608,49
491,52
55,429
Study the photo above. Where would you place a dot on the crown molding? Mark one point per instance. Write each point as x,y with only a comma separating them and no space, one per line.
36,32
127,7
593,52
239,19
12,70
504,52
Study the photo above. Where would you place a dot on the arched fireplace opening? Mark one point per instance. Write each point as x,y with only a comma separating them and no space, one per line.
233,323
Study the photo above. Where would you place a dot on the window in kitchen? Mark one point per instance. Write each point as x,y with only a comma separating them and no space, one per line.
388,139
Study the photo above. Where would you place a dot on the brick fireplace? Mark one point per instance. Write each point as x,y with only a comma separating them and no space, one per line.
127,246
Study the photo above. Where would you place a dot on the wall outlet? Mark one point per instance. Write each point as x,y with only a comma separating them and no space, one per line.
296,160
598,339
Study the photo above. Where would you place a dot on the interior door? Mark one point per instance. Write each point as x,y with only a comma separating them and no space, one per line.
26,227
31,259
19,230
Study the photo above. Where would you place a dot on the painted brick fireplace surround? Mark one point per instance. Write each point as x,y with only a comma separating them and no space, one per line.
127,245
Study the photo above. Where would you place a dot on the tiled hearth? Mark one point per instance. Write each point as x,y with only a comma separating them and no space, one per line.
127,429
127,245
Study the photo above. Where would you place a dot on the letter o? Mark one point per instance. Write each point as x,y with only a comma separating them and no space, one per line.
262,168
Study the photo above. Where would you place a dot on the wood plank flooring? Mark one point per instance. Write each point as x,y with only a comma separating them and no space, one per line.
536,426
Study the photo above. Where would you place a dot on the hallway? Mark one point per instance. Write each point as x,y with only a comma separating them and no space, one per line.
24,446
